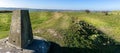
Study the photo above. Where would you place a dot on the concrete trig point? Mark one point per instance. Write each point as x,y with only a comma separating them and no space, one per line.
20,29
21,36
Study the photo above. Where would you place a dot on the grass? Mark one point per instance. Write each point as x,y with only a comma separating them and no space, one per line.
109,24
61,28
5,19
3,34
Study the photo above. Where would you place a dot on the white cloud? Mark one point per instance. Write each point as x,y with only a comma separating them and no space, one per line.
16,3
6,3
3,3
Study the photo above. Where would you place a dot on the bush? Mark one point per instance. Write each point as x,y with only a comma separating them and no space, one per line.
87,11
84,35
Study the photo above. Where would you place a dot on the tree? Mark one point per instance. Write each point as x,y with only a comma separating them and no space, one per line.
105,12
87,11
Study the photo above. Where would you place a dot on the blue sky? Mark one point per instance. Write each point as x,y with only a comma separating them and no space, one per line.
63,4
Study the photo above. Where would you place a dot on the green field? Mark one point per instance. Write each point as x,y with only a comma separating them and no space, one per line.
72,29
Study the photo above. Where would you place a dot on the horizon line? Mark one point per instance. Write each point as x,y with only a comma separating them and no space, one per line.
60,9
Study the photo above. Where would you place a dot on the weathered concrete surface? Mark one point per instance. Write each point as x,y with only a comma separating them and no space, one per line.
39,45
20,29
20,39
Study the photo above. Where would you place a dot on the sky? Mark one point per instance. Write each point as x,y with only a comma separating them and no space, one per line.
63,4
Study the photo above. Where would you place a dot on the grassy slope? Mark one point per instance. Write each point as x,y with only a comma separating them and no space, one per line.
51,27
108,24
5,19
48,24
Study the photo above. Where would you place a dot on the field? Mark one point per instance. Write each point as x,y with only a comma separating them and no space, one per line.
73,31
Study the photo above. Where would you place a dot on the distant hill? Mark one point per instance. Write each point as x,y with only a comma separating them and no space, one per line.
11,9
32,9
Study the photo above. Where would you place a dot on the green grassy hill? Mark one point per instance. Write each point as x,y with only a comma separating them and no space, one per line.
72,29
5,19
